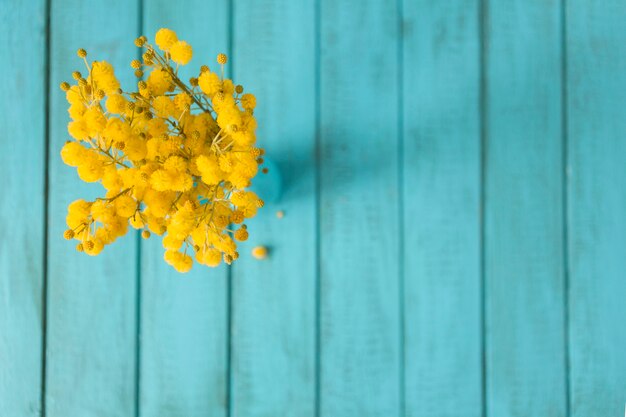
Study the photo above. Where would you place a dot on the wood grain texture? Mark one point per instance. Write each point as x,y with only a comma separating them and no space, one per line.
524,259
22,205
274,303
441,193
184,317
409,105
596,91
91,301
359,254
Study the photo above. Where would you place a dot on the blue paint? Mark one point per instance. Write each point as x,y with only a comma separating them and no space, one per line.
22,206
450,177
269,186
184,318
91,308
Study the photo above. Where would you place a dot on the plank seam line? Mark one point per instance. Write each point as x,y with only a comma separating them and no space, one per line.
565,207
229,269
401,236
318,204
483,106
138,277
46,208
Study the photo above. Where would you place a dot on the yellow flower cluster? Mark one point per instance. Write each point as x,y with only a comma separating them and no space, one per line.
175,159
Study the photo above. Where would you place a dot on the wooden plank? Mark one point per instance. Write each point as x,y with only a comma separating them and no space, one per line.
359,247
92,301
274,305
184,318
441,193
524,259
22,205
596,68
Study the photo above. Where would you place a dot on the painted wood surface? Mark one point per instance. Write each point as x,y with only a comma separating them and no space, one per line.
360,326
184,319
523,173
91,339
274,301
22,205
441,211
596,123
452,241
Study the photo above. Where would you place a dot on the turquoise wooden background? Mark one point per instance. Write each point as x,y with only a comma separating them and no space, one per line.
455,234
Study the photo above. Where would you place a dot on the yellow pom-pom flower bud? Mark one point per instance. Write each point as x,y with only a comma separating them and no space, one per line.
209,83
81,53
165,38
65,86
125,206
94,247
159,81
140,41
104,76
241,234
77,129
116,103
222,59
248,101
260,252
145,234
181,52
237,217
73,153
181,262
68,234
147,59
164,106
182,101
209,257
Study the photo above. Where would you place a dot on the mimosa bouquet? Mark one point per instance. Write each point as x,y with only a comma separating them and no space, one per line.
175,159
